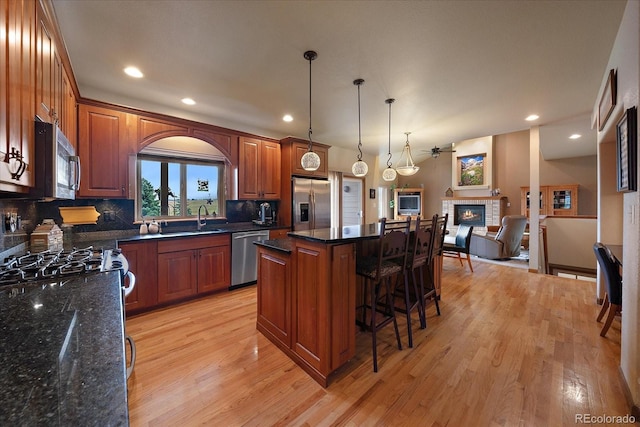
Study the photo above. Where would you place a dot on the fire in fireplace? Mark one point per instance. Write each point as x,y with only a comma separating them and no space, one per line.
469,214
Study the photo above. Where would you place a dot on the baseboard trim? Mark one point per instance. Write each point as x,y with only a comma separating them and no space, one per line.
555,268
633,408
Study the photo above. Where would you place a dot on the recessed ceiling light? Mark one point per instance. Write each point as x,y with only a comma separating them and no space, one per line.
575,136
134,72
188,101
287,118
532,117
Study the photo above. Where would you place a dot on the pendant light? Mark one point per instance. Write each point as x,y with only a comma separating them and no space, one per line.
310,161
406,167
389,174
359,168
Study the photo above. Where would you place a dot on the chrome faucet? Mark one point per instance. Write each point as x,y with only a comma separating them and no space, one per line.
202,223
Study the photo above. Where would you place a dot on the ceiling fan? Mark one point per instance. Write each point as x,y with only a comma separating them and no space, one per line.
435,151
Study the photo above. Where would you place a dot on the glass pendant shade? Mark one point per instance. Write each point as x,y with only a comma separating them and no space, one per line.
310,161
389,174
360,168
405,165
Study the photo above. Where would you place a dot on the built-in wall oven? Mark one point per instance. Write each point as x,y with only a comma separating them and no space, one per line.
244,264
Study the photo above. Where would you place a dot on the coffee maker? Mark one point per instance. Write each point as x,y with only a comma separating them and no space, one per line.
266,216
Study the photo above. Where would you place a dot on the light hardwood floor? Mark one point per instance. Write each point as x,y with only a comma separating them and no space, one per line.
511,348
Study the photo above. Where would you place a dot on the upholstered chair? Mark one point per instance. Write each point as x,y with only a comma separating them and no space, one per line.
505,244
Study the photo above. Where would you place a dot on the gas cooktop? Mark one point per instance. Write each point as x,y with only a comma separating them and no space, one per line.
48,265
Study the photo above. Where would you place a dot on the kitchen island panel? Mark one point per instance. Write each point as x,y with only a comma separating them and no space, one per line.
274,293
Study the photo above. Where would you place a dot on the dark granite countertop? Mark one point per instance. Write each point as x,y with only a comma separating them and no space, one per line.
210,229
349,234
62,353
282,245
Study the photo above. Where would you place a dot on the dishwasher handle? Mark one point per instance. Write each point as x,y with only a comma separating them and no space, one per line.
238,236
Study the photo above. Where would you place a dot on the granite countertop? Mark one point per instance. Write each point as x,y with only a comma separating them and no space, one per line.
282,245
62,353
210,229
349,234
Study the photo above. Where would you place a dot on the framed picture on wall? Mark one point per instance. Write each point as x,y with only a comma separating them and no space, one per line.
626,150
607,100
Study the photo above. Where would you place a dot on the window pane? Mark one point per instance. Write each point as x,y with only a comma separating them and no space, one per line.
202,188
173,190
150,182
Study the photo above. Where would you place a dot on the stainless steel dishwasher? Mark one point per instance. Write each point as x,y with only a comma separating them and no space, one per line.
244,265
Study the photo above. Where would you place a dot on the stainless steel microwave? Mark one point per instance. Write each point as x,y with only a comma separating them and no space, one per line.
57,171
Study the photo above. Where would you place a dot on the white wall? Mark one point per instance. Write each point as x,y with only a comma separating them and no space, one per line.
625,59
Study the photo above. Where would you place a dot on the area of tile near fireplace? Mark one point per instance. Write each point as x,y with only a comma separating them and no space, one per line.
494,210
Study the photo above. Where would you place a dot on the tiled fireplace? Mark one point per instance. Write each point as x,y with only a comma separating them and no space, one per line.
470,209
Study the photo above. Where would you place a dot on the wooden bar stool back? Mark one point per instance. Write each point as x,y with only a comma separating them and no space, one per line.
378,271
429,291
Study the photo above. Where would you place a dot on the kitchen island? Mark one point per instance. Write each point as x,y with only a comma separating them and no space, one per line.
307,295
62,359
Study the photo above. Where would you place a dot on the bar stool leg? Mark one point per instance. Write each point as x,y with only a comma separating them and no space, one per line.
407,305
374,342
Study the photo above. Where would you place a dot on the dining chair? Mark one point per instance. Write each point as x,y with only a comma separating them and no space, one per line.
610,267
378,272
459,244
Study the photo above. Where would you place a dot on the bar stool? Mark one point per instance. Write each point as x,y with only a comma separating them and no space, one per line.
420,248
438,230
378,270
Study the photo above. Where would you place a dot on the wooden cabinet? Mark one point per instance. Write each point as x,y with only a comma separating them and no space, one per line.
191,266
259,169
408,191
103,147
44,65
143,261
278,234
306,304
17,107
554,200
292,151
274,293
214,273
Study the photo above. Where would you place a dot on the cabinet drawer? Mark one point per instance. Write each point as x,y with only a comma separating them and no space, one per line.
187,243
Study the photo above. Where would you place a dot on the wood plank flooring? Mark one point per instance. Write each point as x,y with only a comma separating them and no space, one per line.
511,348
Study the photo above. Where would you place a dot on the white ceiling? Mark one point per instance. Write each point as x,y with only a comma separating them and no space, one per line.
457,69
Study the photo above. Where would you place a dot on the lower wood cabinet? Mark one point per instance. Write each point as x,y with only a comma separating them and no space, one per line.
190,266
174,269
274,293
143,262
306,304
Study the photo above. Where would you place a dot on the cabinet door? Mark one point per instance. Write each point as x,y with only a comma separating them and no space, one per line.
278,234
177,275
299,148
103,150
563,200
248,169
143,260
45,49
310,331
17,109
270,170
274,293
214,268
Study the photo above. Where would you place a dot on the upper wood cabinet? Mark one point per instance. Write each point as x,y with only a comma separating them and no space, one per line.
259,169
554,200
292,151
103,147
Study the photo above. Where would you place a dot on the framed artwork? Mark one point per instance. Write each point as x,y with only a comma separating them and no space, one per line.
471,172
626,150
608,100
372,193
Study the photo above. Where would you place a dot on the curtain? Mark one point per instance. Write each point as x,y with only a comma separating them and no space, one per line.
335,178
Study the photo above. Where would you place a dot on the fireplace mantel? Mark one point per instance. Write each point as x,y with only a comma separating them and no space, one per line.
495,207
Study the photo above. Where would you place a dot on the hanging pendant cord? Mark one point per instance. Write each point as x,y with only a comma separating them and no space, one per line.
359,128
310,131
389,159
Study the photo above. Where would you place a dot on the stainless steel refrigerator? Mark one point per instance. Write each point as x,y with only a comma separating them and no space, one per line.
311,204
